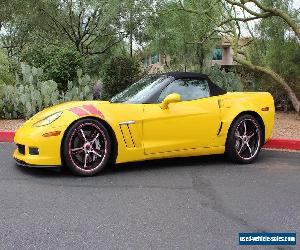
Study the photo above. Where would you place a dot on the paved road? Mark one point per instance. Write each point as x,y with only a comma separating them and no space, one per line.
198,203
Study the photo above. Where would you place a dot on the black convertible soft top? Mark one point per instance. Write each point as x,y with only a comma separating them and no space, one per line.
215,90
178,75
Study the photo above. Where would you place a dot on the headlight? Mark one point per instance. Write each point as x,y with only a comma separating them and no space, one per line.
48,120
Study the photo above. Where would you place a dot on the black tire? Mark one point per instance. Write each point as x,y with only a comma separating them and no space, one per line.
86,147
244,139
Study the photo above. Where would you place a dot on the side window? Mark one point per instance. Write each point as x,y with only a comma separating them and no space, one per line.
188,89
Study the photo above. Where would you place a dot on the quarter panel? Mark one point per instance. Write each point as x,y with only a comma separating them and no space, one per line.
233,104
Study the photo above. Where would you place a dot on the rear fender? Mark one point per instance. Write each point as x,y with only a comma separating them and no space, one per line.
252,103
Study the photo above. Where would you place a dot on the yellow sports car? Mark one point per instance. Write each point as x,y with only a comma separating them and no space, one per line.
161,116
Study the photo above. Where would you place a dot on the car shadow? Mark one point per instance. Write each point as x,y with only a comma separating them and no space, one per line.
196,161
150,165
43,172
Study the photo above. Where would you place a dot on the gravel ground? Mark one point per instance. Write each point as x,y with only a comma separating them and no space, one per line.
7,125
287,125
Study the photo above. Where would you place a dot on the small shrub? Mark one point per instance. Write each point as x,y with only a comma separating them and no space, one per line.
119,73
97,91
59,64
226,80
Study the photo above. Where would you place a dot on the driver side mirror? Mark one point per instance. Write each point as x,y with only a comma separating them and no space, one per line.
172,98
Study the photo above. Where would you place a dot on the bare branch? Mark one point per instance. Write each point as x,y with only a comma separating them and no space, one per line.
243,6
59,25
267,12
107,47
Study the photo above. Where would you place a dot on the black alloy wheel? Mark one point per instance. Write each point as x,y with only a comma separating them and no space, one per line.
244,139
86,147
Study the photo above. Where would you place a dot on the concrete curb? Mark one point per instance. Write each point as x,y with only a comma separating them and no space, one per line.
283,144
8,136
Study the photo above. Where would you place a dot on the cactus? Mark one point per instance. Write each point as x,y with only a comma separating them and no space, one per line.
30,94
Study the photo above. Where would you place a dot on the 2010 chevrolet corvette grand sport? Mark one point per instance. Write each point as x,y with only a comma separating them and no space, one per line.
160,116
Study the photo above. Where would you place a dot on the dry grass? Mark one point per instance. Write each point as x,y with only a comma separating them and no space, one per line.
287,125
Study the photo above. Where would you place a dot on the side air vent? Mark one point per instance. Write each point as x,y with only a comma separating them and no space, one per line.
220,128
128,130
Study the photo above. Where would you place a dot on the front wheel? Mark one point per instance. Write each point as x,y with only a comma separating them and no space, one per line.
86,147
244,139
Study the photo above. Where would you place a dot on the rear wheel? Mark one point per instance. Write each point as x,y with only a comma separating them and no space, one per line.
86,147
244,139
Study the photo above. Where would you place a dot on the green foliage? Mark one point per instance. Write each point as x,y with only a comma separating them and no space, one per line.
226,80
134,19
62,37
5,74
60,64
79,90
276,48
31,94
256,81
120,73
182,35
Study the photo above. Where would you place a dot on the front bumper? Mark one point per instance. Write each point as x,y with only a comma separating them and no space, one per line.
48,147
24,164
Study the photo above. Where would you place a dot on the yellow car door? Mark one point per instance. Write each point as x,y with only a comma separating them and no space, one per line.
190,123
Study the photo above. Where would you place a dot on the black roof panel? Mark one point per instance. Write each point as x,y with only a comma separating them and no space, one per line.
185,75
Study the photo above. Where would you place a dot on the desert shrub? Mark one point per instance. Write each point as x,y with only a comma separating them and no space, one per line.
226,80
119,73
80,89
31,94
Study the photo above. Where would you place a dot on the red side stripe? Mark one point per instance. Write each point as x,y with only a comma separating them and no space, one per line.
78,111
93,110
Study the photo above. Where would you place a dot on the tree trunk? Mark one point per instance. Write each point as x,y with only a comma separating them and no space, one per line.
200,55
131,28
131,43
277,78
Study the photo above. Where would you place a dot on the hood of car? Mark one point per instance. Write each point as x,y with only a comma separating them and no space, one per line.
63,107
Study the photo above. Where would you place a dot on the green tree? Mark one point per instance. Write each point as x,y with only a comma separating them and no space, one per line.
120,73
58,63
184,34
90,26
5,74
235,13
62,36
133,20
272,42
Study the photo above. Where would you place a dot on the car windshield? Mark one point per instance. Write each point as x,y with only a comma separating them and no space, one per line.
141,90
